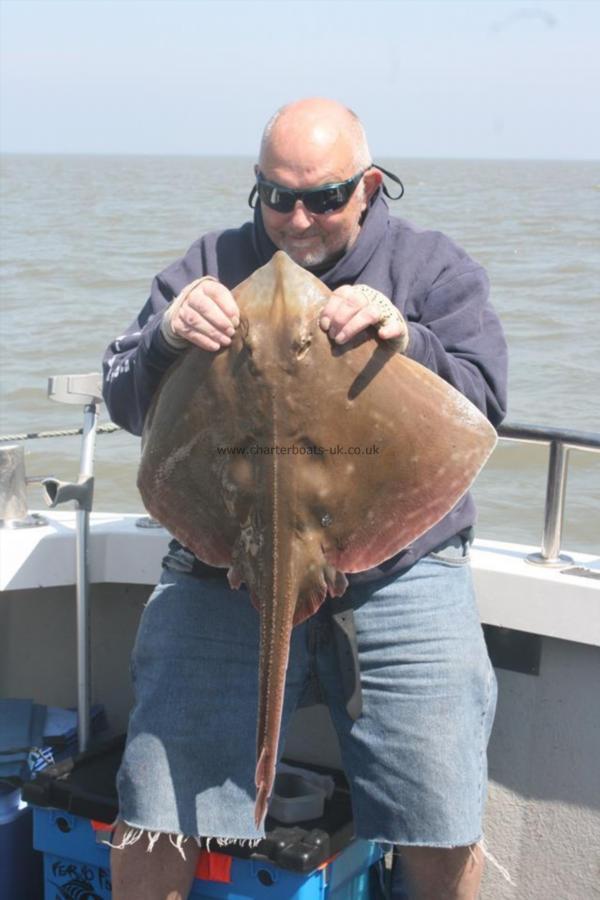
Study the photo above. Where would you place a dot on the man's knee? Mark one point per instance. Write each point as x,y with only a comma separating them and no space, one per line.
149,864
440,873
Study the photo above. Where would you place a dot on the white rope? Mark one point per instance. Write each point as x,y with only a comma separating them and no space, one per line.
64,432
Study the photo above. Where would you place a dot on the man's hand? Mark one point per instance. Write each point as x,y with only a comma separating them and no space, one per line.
352,308
204,314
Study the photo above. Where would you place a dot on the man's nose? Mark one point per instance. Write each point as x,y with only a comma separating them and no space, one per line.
300,216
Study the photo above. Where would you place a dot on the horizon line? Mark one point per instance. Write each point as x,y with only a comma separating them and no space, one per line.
171,155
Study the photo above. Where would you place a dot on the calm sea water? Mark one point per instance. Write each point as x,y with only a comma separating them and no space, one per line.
81,238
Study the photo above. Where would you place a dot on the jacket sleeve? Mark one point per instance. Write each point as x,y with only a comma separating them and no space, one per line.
135,362
459,336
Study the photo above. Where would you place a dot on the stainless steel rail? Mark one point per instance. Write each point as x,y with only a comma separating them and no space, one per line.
561,441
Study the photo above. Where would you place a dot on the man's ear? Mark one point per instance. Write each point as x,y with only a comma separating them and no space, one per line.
372,179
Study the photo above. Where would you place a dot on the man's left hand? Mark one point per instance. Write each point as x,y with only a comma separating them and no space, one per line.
352,308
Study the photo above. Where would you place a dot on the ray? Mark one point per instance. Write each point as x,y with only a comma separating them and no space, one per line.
292,462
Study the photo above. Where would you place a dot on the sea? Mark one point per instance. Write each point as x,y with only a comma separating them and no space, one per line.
82,236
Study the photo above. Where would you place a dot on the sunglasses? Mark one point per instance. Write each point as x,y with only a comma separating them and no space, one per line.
319,200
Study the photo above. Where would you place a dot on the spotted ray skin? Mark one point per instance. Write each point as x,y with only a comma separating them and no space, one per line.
283,517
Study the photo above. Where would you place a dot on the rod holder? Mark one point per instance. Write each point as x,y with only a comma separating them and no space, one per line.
77,390
57,492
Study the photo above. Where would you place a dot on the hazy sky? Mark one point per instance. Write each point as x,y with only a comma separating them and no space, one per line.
486,78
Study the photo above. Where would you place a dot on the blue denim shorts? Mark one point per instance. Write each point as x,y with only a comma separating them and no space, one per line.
415,759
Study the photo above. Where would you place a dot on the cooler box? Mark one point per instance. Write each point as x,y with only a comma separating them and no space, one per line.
75,802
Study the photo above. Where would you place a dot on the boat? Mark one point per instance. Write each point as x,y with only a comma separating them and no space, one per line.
73,585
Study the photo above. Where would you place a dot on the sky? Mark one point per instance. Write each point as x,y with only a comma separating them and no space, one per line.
429,78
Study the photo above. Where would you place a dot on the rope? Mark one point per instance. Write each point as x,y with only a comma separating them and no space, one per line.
64,432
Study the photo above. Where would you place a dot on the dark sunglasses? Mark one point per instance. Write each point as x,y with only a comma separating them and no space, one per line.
323,199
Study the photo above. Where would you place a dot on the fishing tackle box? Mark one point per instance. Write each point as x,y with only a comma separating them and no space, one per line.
75,802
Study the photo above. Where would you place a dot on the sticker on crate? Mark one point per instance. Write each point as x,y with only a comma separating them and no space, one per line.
77,881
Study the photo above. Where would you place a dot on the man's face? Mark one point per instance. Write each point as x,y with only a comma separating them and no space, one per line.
309,238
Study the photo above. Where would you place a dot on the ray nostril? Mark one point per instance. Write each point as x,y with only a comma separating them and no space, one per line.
326,520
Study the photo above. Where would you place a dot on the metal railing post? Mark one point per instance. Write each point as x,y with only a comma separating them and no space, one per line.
556,485
82,576
86,390
561,441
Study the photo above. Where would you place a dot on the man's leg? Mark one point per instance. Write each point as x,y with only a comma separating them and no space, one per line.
437,873
416,757
188,767
162,874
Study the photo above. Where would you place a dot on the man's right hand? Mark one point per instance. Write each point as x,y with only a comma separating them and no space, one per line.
204,314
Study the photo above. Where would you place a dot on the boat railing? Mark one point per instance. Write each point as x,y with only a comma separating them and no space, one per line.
561,441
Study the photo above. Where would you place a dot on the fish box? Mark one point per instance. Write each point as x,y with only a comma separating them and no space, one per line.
76,863
75,802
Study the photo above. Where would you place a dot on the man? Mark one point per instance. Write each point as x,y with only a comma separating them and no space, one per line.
415,757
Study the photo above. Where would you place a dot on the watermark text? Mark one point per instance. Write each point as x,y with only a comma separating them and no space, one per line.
299,450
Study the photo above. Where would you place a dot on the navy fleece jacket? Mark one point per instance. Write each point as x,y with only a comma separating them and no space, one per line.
438,288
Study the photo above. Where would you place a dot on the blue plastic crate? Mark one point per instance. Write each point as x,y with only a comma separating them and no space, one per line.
345,877
74,859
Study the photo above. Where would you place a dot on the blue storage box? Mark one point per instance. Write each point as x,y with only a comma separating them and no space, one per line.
76,859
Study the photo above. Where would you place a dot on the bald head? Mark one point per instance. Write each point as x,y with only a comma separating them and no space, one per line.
318,129
309,145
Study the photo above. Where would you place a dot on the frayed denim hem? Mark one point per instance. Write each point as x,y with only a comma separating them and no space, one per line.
133,834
